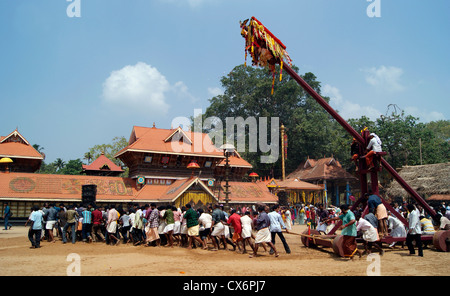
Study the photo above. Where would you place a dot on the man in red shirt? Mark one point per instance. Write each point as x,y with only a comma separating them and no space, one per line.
235,221
97,219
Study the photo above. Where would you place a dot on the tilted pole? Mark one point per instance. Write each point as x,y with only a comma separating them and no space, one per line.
358,137
408,188
323,103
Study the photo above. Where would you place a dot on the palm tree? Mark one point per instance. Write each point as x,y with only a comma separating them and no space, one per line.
59,163
38,147
88,156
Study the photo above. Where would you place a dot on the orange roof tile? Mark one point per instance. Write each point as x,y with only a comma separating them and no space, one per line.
169,193
248,192
99,165
28,186
20,148
443,197
297,184
321,169
235,161
169,141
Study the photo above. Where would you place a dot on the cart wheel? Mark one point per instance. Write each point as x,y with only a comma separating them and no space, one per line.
337,245
307,242
441,240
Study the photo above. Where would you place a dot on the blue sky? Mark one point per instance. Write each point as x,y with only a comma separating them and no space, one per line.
69,83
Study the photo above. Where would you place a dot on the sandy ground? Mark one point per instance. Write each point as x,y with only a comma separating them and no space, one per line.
98,259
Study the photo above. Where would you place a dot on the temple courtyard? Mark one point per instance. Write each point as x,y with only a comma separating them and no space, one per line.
99,259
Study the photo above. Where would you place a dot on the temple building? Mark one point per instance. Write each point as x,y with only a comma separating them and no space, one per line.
17,155
102,166
296,191
329,173
239,167
161,156
166,166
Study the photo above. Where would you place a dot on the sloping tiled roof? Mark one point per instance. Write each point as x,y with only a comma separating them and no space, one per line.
19,149
247,192
15,186
169,193
29,186
156,140
321,169
297,184
235,161
441,197
99,165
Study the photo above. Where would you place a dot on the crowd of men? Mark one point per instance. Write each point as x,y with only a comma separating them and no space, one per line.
208,228
212,228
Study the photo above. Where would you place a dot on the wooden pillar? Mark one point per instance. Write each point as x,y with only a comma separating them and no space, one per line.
347,192
282,153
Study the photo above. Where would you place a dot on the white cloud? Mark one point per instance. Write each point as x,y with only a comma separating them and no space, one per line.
215,91
181,90
424,115
346,108
386,78
142,88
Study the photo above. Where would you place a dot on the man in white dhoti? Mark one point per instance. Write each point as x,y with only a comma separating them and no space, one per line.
396,228
263,235
111,225
369,235
247,227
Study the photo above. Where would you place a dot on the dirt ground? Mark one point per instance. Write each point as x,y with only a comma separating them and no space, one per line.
98,259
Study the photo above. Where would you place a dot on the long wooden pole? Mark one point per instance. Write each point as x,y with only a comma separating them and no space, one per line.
357,136
282,153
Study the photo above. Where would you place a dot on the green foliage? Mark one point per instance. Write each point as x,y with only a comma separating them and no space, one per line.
75,166
110,150
72,167
47,168
308,125
312,132
408,141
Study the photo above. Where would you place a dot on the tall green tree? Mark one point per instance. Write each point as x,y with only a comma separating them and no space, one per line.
110,149
311,131
247,93
47,168
72,167
59,164
88,157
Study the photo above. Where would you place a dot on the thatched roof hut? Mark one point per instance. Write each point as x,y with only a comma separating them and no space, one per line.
426,180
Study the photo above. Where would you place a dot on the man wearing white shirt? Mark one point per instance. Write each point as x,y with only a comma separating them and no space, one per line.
373,148
397,228
414,231
205,221
276,224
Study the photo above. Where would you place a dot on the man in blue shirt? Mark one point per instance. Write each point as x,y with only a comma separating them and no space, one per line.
87,224
276,225
6,215
51,217
218,228
377,207
263,235
34,235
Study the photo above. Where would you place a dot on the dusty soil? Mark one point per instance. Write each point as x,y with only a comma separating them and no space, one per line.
98,259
